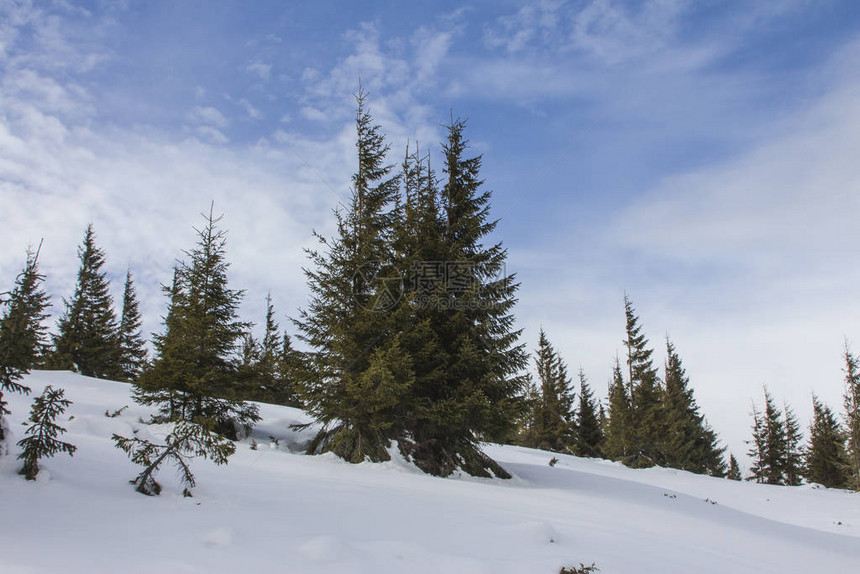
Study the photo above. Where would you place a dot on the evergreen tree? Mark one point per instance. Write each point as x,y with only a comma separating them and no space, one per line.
825,460
478,394
131,346
688,442
22,332
589,433
644,392
769,446
41,436
618,428
734,472
793,458
193,375
185,441
357,376
852,416
554,415
86,339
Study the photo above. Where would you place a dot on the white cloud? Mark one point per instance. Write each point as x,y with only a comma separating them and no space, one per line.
210,116
261,70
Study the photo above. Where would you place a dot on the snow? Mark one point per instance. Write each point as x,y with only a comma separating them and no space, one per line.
275,510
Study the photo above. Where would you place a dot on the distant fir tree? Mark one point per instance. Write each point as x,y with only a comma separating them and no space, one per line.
23,335
86,338
553,411
825,459
131,346
793,469
357,374
618,427
852,416
479,394
589,433
192,377
688,442
734,472
644,391
768,446
267,370
40,439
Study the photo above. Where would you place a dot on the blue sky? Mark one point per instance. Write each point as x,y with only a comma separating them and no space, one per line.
700,156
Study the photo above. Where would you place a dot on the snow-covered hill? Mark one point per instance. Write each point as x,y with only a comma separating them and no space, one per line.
274,510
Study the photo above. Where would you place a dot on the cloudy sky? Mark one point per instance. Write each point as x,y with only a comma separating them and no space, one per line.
701,156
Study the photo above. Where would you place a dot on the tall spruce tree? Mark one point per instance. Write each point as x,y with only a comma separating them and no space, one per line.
644,392
688,442
130,343
768,447
478,393
825,459
358,374
793,469
852,415
23,335
86,338
618,427
554,416
193,375
589,433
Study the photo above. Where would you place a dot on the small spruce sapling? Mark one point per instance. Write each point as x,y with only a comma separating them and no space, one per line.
41,437
186,441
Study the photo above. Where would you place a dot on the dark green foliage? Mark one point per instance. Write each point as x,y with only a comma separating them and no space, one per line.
268,369
618,426
41,436
185,441
194,373
825,459
22,332
768,446
688,442
793,455
589,432
644,392
734,472
581,569
552,413
86,338
477,388
852,416
355,378
130,343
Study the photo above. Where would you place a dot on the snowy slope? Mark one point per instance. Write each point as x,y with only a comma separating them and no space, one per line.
273,510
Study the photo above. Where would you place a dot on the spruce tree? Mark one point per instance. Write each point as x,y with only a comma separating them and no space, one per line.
554,414
185,441
793,458
479,392
41,436
589,434
130,343
644,392
688,442
852,415
825,459
357,375
22,332
193,375
618,429
734,472
86,338
769,445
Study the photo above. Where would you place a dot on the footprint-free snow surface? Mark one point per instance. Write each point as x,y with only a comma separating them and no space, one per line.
275,510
